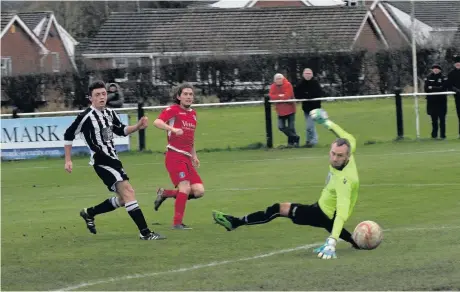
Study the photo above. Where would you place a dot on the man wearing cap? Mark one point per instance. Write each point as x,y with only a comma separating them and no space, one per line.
436,105
453,81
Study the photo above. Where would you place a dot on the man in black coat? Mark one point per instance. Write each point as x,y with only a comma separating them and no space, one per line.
453,81
309,88
115,97
436,105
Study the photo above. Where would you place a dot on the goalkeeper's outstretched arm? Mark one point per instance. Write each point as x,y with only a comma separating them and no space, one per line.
343,189
341,133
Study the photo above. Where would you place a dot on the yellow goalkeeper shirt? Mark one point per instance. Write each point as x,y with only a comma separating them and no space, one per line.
341,190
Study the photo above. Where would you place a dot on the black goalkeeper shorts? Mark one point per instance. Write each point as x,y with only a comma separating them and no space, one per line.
311,215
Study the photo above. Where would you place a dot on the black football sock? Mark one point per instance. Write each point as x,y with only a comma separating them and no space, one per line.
138,217
259,217
104,207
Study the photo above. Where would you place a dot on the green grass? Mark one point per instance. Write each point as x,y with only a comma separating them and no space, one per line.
236,127
410,188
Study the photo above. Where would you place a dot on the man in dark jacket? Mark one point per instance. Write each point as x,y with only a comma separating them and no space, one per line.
114,96
453,81
436,105
309,88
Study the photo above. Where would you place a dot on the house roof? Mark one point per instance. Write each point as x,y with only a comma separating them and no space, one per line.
437,14
6,18
237,29
32,19
250,3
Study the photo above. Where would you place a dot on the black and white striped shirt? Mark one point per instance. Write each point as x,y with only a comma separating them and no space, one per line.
96,128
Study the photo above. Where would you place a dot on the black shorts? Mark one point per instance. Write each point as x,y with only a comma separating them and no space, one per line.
311,215
111,174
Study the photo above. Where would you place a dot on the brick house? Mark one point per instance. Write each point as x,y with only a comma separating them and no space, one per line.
35,43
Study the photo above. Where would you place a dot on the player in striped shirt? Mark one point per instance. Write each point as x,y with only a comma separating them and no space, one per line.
96,125
335,204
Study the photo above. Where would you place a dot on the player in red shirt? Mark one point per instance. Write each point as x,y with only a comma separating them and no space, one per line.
181,161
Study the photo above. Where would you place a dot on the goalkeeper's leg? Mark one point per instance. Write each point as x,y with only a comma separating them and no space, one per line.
260,217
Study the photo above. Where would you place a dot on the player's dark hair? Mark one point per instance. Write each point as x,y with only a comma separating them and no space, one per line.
179,89
95,85
342,141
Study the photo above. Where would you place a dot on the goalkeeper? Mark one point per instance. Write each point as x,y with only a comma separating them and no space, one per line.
335,204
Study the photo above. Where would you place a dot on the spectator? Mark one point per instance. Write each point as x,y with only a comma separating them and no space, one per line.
309,88
436,105
115,96
281,89
453,79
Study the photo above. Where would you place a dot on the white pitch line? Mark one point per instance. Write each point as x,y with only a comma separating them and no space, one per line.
258,160
221,263
194,267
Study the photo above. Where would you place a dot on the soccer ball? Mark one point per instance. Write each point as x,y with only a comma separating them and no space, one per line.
368,235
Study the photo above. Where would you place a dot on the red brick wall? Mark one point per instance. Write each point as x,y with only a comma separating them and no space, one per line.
54,43
368,39
23,51
98,64
393,37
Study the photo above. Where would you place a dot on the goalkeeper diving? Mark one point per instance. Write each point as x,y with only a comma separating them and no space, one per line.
335,204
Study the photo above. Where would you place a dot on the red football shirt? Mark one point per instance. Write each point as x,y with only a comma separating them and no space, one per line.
185,119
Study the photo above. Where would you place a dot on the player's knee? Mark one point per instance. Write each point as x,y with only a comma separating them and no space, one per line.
121,201
198,190
184,187
127,192
284,209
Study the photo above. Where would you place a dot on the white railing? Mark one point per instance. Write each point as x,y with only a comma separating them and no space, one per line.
255,102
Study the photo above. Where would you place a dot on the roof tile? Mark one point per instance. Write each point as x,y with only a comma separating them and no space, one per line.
210,29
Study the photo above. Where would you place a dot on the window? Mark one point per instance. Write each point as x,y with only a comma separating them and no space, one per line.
6,66
55,62
120,62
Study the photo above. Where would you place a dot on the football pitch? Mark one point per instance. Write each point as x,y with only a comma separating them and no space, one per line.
410,188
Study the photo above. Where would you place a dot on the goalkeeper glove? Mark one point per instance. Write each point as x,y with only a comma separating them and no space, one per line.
327,250
319,115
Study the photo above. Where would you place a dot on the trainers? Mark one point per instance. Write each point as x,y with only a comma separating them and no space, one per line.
152,236
181,227
223,220
160,199
88,220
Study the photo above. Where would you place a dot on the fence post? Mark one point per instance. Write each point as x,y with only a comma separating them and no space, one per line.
140,114
399,114
268,122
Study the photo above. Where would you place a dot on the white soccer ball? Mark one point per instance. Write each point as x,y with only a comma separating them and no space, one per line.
368,235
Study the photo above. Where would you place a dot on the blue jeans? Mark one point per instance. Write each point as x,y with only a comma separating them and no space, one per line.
311,134
289,129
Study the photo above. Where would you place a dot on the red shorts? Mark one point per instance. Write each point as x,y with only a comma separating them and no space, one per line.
180,168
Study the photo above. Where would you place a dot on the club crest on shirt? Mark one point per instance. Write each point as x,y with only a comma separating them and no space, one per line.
181,174
107,134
